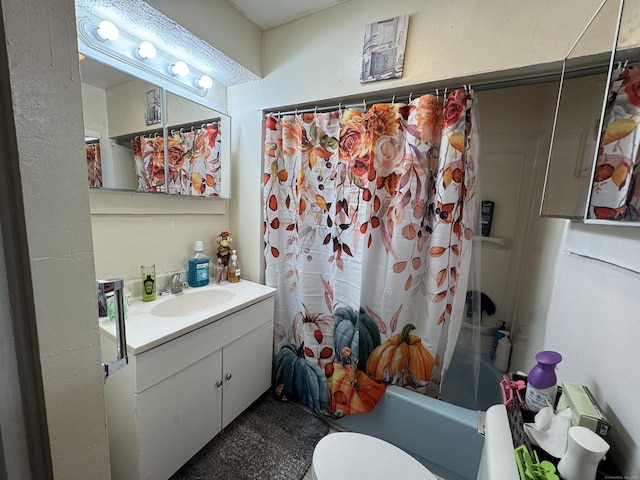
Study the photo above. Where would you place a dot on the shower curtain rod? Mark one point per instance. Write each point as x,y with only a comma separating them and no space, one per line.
370,100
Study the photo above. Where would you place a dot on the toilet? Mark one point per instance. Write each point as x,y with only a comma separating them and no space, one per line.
348,455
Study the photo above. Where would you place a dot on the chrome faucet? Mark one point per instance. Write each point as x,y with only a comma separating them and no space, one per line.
176,284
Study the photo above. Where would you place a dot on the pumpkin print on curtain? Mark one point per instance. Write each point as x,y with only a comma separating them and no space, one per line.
368,227
615,192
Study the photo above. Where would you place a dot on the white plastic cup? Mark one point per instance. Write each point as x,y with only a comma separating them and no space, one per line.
585,450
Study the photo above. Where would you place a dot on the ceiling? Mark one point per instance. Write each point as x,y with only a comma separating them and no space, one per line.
272,13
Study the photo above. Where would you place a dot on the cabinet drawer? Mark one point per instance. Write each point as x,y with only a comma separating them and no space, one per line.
169,358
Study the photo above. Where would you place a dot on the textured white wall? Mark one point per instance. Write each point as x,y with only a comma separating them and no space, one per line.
593,322
43,68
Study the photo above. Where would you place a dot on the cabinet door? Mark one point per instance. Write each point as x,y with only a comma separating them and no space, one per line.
178,416
247,370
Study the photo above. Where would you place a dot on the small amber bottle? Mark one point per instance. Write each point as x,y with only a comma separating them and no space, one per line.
233,269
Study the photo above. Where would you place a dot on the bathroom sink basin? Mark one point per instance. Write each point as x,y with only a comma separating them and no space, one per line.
188,303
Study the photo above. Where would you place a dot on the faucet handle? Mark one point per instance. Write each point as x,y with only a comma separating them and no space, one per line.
176,278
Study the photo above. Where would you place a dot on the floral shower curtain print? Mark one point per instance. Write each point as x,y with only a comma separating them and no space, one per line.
148,154
615,193
369,221
194,162
94,164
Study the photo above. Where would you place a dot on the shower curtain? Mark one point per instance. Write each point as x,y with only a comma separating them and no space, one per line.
615,193
194,162
368,227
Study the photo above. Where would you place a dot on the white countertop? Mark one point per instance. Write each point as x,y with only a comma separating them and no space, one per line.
145,330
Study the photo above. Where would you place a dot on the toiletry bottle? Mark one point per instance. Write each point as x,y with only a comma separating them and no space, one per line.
148,273
499,333
233,269
198,267
541,382
503,354
221,272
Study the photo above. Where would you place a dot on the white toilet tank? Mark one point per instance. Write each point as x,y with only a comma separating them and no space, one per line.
498,461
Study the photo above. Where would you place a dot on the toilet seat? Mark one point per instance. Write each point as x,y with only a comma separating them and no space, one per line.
349,455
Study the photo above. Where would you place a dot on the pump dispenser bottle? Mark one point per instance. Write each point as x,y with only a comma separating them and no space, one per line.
541,382
198,267
233,269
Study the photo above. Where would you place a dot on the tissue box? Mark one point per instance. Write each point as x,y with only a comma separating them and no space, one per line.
585,410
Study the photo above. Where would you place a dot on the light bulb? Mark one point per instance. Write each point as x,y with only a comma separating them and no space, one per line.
205,81
179,68
146,50
107,31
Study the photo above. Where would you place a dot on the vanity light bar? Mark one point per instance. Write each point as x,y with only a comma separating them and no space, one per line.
123,47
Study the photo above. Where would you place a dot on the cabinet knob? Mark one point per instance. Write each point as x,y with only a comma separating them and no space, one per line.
228,376
219,383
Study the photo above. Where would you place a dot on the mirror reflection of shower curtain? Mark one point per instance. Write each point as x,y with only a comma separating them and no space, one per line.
194,162
148,154
94,164
369,221
615,191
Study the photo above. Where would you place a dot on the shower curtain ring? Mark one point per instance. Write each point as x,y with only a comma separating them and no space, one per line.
393,100
315,110
364,104
410,97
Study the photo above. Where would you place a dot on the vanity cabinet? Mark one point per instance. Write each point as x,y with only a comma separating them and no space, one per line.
172,399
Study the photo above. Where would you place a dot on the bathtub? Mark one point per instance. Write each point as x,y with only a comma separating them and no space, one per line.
458,386
442,436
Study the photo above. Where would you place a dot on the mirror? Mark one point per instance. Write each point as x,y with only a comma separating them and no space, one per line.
579,116
136,131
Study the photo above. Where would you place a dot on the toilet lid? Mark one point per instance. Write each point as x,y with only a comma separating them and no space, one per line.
348,455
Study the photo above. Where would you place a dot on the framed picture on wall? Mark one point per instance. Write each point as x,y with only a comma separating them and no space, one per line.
153,110
383,50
